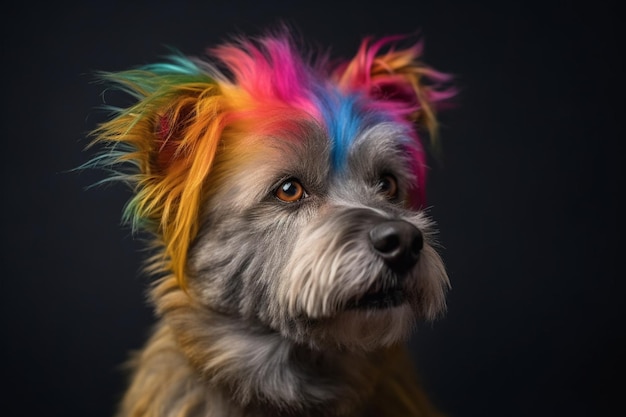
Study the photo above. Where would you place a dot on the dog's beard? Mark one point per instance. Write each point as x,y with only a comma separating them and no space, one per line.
336,290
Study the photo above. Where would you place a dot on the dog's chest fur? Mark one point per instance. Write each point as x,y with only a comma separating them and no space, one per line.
372,385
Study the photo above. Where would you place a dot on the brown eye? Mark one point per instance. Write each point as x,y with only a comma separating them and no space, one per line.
290,191
388,186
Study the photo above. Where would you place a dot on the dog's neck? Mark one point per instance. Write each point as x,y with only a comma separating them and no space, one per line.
201,363
252,366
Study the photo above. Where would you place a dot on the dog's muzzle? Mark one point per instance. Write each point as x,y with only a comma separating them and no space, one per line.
398,243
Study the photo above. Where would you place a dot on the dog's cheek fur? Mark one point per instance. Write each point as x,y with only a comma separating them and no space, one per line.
215,270
243,247
237,260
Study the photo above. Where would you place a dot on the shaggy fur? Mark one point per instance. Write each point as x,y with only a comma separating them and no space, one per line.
293,258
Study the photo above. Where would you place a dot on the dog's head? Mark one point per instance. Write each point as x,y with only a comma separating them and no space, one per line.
288,191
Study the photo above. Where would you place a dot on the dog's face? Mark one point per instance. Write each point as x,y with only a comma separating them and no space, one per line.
325,254
287,193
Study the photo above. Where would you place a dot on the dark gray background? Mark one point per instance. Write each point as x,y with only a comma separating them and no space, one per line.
526,196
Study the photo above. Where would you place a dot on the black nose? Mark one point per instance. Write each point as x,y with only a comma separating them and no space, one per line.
398,242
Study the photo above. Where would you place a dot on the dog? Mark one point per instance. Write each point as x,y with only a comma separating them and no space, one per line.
283,193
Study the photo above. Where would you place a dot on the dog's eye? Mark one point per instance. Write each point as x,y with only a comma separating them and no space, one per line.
290,191
388,186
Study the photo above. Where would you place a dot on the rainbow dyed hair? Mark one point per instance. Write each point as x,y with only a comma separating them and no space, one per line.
165,144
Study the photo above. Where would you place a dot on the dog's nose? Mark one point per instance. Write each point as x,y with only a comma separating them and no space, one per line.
398,242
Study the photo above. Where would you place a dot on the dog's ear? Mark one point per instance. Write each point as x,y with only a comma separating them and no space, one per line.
397,80
170,127
164,145
399,83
